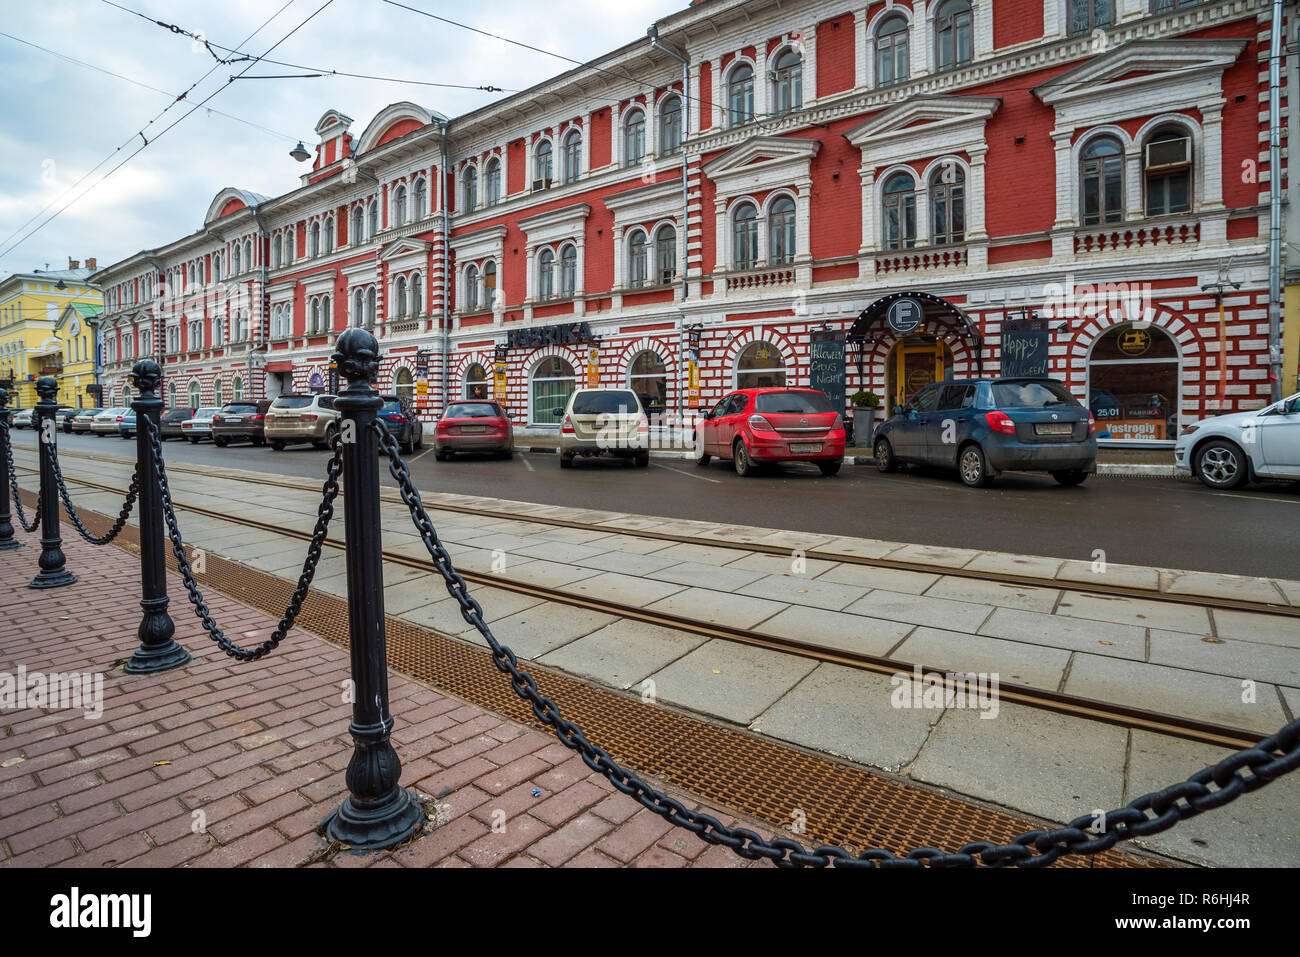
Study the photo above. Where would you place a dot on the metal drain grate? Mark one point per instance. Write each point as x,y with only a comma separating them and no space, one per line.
729,769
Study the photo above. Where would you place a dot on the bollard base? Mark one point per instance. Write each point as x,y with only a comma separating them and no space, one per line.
151,660
377,827
53,579
9,544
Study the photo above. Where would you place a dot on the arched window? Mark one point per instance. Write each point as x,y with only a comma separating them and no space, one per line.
665,255
417,294
634,136
492,183
948,204
900,212
315,317
569,271
1168,172
477,384
552,383
171,396
740,95
216,267
471,288
399,206
638,258
744,237
126,396
371,307
780,232
1089,15
248,254
1101,181
403,385
217,337
670,125
648,378
572,166
891,51
490,284
372,218
235,269
326,320
420,208
313,247
218,399
358,234
470,191
329,236
952,34
1133,384
760,366
195,395
358,308
277,251
236,389
787,81
399,297
542,161
546,274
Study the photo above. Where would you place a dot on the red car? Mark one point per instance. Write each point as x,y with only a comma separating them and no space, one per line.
476,425
763,426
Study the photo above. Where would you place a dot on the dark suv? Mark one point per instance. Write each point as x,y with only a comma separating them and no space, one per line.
982,427
240,420
398,416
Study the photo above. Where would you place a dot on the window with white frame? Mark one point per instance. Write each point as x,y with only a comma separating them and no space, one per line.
1101,181
417,294
665,255
760,366
234,261
196,334
477,385
471,288
787,81
744,236
546,274
670,125
892,65
217,397
277,251
572,164
569,271
236,389
357,231
249,261
399,206
542,161
195,395
372,218
469,191
953,34
399,298
781,232
357,314
1167,171
638,258
490,284
313,245
216,267
634,136
740,94
948,204
216,338
420,207
171,396
492,183
647,376
553,381
1088,15
329,236
899,211
313,316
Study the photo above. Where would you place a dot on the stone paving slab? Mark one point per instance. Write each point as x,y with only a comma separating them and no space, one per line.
623,653
729,681
1013,661
841,632
1241,659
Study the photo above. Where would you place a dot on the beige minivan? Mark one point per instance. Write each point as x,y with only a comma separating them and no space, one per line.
301,418
604,422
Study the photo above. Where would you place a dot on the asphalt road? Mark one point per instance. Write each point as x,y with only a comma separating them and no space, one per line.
1162,522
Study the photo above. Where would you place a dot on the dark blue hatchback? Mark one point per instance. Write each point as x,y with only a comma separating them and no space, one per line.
981,427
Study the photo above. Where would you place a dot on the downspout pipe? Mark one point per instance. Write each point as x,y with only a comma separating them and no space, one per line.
446,267
1275,203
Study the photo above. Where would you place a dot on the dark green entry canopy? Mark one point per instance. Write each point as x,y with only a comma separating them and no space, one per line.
904,314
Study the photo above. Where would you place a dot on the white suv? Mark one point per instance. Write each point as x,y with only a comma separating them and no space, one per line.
604,422
301,418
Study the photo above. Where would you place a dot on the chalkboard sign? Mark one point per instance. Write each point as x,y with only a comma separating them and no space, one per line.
826,366
1024,348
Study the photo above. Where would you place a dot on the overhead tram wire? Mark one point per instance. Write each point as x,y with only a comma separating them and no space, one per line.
140,133
174,123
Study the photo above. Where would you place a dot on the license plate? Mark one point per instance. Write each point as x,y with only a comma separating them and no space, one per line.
232,419
806,447
1053,428
472,429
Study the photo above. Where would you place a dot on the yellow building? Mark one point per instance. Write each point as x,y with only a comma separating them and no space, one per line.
38,312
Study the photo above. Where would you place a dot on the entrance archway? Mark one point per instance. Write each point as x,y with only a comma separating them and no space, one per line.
914,363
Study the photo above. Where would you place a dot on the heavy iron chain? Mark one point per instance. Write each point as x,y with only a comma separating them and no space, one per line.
13,484
72,512
323,515
1088,834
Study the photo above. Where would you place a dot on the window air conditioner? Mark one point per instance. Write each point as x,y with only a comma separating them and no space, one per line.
540,184
1166,153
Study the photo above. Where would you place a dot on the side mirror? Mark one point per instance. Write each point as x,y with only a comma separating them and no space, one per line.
897,410
557,412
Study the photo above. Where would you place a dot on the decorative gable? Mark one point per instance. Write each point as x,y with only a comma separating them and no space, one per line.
406,253
923,126
762,162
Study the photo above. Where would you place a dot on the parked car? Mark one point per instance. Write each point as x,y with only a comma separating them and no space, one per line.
475,426
301,418
126,424
239,421
597,422
65,416
22,419
83,420
198,426
105,423
1227,451
753,427
398,416
170,422
982,427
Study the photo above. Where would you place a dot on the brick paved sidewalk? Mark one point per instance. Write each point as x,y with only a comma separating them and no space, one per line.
260,750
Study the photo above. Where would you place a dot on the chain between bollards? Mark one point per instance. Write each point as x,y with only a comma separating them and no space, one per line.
8,481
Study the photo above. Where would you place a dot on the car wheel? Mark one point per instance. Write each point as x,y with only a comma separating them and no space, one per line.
829,468
566,461
507,454
277,446
259,442
1070,476
1221,464
885,460
973,467
407,448
740,459
220,443
194,440
642,460
419,439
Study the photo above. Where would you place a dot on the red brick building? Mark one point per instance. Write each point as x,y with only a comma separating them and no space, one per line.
1093,163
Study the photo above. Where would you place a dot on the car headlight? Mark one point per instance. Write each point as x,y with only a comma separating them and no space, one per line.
1189,429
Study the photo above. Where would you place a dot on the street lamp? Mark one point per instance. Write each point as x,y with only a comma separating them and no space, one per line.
300,153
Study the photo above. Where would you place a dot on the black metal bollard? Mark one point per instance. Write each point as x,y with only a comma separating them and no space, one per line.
52,573
378,813
7,540
158,650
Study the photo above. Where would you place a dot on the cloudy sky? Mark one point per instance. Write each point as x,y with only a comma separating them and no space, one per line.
60,120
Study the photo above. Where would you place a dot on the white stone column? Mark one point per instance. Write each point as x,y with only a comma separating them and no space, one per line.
1065,215
920,45
620,259
719,95
1132,181
529,172
762,85
870,226
1211,155
505,171
722,247
586,145
975,201
810,64
580,280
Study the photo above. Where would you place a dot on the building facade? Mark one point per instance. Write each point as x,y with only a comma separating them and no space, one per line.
48,327
939,189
